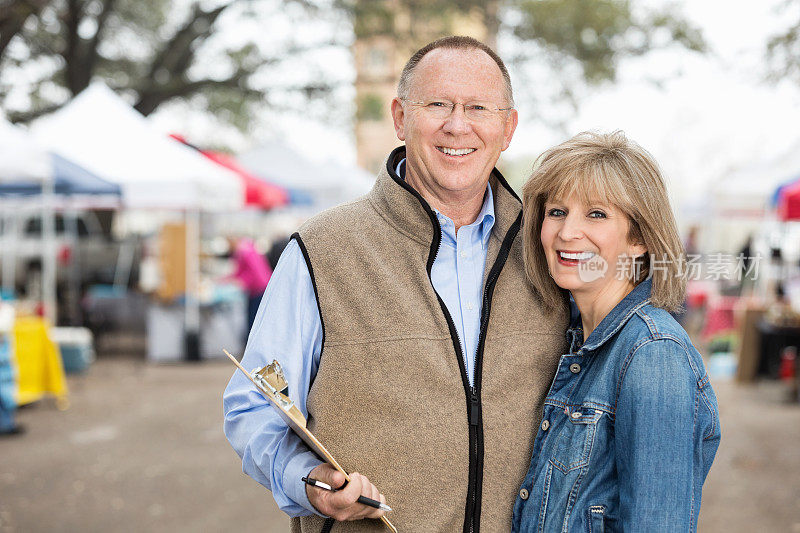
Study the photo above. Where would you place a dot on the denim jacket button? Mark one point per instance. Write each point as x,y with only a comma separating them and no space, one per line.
523,493
576,415
545,425
574,368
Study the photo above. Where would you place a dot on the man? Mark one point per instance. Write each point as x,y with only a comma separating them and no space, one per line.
405,324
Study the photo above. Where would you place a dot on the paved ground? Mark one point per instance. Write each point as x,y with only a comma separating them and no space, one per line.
141,449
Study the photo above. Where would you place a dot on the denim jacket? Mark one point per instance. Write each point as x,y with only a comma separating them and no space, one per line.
629,430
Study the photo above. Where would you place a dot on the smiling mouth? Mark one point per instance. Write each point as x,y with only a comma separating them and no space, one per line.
457,152
573,258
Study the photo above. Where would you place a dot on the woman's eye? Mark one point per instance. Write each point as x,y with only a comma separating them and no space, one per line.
555,212
597,214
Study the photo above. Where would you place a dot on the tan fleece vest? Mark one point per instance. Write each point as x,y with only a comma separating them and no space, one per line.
389,399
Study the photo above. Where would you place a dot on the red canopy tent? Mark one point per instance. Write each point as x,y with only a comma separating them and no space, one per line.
789,202
258,193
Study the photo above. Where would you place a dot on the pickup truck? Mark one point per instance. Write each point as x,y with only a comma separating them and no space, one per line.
85,250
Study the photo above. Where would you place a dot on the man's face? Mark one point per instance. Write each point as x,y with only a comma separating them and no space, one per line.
462,77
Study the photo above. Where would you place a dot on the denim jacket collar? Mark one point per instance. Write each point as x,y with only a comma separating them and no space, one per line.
611,323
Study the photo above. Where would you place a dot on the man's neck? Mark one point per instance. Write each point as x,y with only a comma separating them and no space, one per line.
462,207
461,211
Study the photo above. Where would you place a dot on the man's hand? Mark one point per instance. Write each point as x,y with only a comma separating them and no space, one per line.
343,505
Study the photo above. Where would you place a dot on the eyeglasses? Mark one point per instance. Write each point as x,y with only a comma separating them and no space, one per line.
442,109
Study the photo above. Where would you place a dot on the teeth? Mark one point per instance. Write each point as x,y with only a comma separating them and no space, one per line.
453,151
576,256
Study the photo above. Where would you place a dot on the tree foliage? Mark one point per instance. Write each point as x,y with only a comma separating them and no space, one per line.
783,49
598,33
152,50
158,51
595,34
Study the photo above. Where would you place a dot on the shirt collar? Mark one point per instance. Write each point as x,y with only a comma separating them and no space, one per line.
485,218
612,322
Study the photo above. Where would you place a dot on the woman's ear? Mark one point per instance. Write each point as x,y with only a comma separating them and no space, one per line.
637,250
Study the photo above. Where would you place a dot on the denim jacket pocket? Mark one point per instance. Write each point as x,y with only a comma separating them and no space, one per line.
596,518
575,440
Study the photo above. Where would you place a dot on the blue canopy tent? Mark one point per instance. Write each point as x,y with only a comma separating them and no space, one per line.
69,179
68,184
785,185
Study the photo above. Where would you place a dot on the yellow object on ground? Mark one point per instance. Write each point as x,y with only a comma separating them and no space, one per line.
38,362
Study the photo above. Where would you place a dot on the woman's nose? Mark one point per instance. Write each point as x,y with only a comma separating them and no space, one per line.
571,229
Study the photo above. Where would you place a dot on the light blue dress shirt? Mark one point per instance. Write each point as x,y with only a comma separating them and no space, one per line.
288,328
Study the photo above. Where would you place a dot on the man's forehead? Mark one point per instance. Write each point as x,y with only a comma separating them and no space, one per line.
458,69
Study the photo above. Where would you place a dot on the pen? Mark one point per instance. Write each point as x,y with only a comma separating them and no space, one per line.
361,499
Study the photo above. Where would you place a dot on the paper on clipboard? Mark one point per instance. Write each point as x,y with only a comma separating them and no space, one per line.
270,381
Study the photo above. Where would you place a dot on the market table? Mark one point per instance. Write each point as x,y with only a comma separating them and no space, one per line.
38,362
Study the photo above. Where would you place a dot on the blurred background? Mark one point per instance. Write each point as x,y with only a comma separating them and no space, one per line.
155,156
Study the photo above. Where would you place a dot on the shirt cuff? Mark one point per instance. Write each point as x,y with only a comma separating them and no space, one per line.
294,487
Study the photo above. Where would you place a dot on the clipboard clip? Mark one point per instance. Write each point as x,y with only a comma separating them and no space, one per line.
271,379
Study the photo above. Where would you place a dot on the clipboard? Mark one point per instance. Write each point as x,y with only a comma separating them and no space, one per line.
271,383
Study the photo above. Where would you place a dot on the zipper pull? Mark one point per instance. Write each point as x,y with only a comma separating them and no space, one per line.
474,407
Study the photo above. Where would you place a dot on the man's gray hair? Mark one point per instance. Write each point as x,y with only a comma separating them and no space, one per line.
453,42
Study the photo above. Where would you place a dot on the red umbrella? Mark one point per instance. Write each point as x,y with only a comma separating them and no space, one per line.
258,192
789,202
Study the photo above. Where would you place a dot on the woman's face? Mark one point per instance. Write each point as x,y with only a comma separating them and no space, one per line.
587,247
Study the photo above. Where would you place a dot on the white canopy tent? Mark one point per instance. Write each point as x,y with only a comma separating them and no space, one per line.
327,184
23,159
740,203
102,133
747,191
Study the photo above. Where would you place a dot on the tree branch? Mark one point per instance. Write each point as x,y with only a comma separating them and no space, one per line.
93,45
24,117
151,98
177,53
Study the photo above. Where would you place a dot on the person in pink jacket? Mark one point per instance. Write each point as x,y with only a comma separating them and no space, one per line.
252,272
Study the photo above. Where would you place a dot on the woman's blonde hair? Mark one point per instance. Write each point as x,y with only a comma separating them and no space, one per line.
609,168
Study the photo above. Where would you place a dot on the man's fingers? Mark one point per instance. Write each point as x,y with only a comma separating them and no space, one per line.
370,491
327,474
352,490
336,478
343,504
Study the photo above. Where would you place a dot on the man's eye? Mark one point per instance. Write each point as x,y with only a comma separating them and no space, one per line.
597,214
555,212
439,104
477,107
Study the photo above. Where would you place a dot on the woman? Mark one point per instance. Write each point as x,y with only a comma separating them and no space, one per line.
630,424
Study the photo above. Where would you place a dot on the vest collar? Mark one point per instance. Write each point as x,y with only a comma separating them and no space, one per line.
407,210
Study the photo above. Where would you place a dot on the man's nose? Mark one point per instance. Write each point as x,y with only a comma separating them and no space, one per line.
457,122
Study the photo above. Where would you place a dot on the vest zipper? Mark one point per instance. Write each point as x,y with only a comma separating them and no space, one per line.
488,291
473,402
472,515
473,510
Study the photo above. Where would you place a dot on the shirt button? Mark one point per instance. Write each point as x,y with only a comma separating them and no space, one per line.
469,306
574,368
523,493
463,255
545,425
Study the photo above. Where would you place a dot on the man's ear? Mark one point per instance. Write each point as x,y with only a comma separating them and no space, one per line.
510,127
399,117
